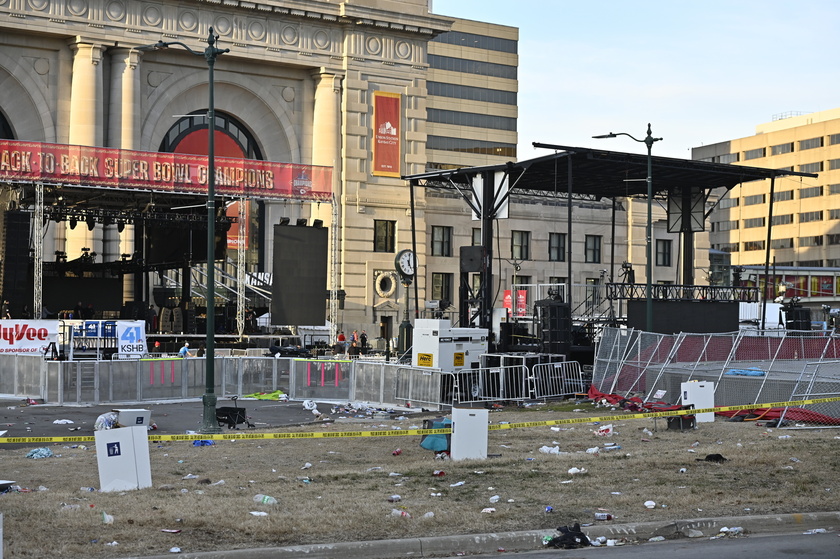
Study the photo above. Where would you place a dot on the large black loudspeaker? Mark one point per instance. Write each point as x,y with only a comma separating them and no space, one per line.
799,318
299,282
16,282
555,324
472,259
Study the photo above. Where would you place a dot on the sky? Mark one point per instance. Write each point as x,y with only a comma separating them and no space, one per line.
699,72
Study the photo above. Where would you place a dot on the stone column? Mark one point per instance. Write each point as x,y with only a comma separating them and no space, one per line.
326,125
123,132
86,118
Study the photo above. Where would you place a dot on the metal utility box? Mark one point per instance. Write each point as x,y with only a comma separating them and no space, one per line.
469,433
123,459
439,346
701,395
133,418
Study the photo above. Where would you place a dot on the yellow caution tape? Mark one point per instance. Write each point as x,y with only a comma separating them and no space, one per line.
256,436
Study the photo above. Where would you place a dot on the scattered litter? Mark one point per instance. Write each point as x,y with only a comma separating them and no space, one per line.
683,470
815,531
106,421
220,482
174,550
488,510
65,506
400,513
605,431
569,538
657,539
264,499
429,514
457,484
783,437
258,513
394,474
112,544
397,452
171,531
438,473
550,450
593,450
306,466
203,443
190,476
549,508
36,453
794,459
63,422
575,471
494,499
435,494
611,446
650,505
107,518
394,499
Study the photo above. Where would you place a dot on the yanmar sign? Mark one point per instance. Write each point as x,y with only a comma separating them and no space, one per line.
30,337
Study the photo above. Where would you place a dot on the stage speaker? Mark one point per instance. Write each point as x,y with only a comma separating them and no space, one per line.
299,283
16,278
555,324
472,259
799,318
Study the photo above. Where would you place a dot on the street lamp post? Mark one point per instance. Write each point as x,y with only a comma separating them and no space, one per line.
210,54
648,141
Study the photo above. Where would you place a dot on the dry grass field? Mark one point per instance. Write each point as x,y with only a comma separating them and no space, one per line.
344,494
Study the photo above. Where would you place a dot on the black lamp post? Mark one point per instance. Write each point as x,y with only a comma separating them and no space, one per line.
648,141
211,53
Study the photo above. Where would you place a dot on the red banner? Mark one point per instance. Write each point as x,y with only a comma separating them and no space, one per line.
521,302
168,172
233,232
386,134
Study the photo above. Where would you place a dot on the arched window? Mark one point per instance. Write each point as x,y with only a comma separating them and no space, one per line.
189,135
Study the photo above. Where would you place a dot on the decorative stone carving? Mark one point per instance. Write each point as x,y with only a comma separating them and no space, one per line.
188,20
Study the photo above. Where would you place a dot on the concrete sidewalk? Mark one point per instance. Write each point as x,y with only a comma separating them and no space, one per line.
477,544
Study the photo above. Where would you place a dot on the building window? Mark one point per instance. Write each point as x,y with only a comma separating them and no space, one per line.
476,237
384,235
781,148
754,199
726,247
724,225
832,262
811,143
470,93
809,263
554,280
811,167
833,214
441,241
782,219
807,217
728,203
833,165
815,241
833,239
473,40
788,168
834,139
520,248
593,249
442,287
728,158
810,192
663,252
467,66
475,120
781,243
754,153
462,145
557,247
754,222
783,196
753,245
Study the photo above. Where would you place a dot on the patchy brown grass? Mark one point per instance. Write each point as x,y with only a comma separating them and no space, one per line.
346,497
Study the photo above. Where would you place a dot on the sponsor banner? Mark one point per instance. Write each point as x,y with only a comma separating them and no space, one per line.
168,172
131,337
233,232
386,134
27,337
521,302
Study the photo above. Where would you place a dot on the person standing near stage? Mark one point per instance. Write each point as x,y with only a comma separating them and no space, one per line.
185,351
363,340
342,342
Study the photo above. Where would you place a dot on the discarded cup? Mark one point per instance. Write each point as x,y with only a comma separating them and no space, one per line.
397,452
494,499
401,513
438,473
650,504
394,499
265,499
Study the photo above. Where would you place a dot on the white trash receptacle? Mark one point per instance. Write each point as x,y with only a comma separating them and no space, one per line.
123,458
469,434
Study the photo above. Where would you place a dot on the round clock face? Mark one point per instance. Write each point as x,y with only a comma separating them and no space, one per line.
406,263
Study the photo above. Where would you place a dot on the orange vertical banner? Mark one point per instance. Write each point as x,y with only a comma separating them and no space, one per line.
387,121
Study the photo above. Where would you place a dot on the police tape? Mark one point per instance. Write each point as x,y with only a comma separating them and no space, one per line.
255,436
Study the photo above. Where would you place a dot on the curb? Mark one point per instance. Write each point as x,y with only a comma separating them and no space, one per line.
530,540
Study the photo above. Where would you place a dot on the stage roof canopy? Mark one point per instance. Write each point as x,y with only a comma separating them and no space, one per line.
598,173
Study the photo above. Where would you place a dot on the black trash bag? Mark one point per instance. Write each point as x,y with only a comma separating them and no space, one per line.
569,538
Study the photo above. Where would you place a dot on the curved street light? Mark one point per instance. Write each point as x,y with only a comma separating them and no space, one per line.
210,54
649,140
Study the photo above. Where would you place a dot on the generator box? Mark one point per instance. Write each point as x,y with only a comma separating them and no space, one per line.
439,346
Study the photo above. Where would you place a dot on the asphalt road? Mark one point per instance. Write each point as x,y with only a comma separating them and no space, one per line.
814,546
171,418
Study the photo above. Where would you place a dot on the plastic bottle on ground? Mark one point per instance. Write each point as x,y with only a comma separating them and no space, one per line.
603,516
265,499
